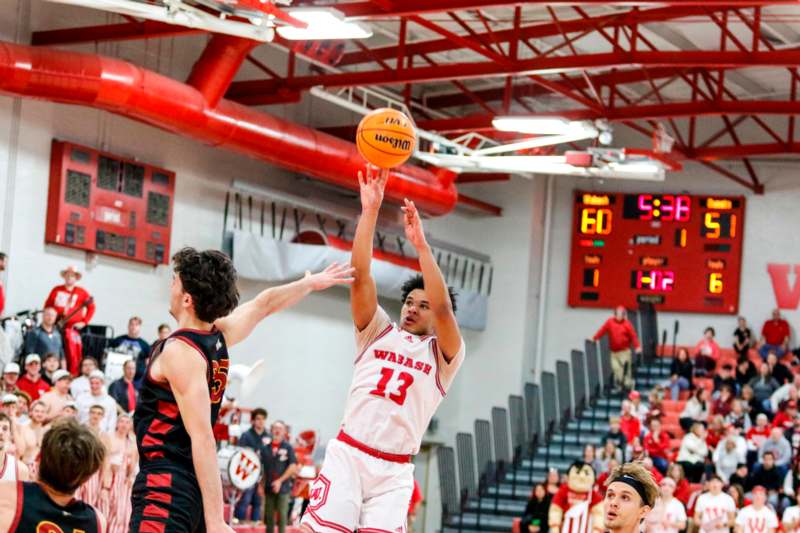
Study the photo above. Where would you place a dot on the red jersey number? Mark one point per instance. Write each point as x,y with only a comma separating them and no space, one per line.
402,384
219,378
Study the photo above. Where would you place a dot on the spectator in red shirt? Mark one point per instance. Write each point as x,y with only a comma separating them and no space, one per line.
785,417
32,382
70,299
706,353
629,424
774,336
759,433
683,489
656,442
621,336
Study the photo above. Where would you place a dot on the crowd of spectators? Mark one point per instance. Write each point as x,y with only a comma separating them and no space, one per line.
721,434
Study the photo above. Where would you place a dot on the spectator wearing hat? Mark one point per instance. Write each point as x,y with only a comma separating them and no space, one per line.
10,379
23,436
638,409
123,390
45,338
629,423
58,397
774,336
50,363
70,410
32,383
621,336
75,306
133,345
757,517
98,396
81,383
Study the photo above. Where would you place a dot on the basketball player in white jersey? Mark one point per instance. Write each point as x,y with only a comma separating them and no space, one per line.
757,517
10,468
402,372
631,493
715,510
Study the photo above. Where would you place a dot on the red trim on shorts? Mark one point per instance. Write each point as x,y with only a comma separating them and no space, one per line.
323,523
154,511
159,481
375,530
18,510
381,335
360,446
435,347
162,497
150,526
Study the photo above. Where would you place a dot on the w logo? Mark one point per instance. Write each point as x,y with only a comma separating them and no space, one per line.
787,294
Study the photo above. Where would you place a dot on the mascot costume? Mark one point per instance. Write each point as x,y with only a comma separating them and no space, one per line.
577,507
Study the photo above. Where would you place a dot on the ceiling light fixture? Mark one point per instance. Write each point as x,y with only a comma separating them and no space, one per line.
323,24
544,126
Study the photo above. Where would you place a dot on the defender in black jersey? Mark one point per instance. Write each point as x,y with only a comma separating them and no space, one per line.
70,455
178,488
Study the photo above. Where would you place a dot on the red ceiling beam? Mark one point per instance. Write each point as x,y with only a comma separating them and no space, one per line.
125,31
534,31
410,7
530,90
451,71
735,151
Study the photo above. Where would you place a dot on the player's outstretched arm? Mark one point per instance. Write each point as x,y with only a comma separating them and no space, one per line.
240,323
445,324
185,370
363,294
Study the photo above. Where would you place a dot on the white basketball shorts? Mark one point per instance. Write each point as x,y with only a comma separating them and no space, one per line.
357,491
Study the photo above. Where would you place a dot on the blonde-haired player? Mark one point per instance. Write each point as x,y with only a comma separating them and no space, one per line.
402,372
631,493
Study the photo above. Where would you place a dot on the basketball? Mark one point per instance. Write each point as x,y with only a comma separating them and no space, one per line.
386,138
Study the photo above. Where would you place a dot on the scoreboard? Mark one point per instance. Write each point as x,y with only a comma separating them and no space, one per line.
679,252
107,204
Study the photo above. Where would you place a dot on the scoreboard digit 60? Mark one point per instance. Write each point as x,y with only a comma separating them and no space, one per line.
679,252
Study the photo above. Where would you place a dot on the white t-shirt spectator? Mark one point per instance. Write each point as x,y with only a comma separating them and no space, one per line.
86,401
715,511
753,520
791,516
661,515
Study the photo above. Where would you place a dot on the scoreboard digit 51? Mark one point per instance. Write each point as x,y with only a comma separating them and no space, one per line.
679,252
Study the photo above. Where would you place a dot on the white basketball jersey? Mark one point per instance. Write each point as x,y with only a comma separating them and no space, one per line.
399,381
8,469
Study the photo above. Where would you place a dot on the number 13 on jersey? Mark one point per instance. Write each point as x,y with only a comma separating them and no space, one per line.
396,383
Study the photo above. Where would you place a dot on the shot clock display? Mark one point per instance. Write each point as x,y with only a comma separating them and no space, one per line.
680,252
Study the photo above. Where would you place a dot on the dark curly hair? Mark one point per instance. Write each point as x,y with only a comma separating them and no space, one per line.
209,277
416,282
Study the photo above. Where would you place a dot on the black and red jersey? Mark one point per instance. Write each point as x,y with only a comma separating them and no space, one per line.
160,433
37,512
